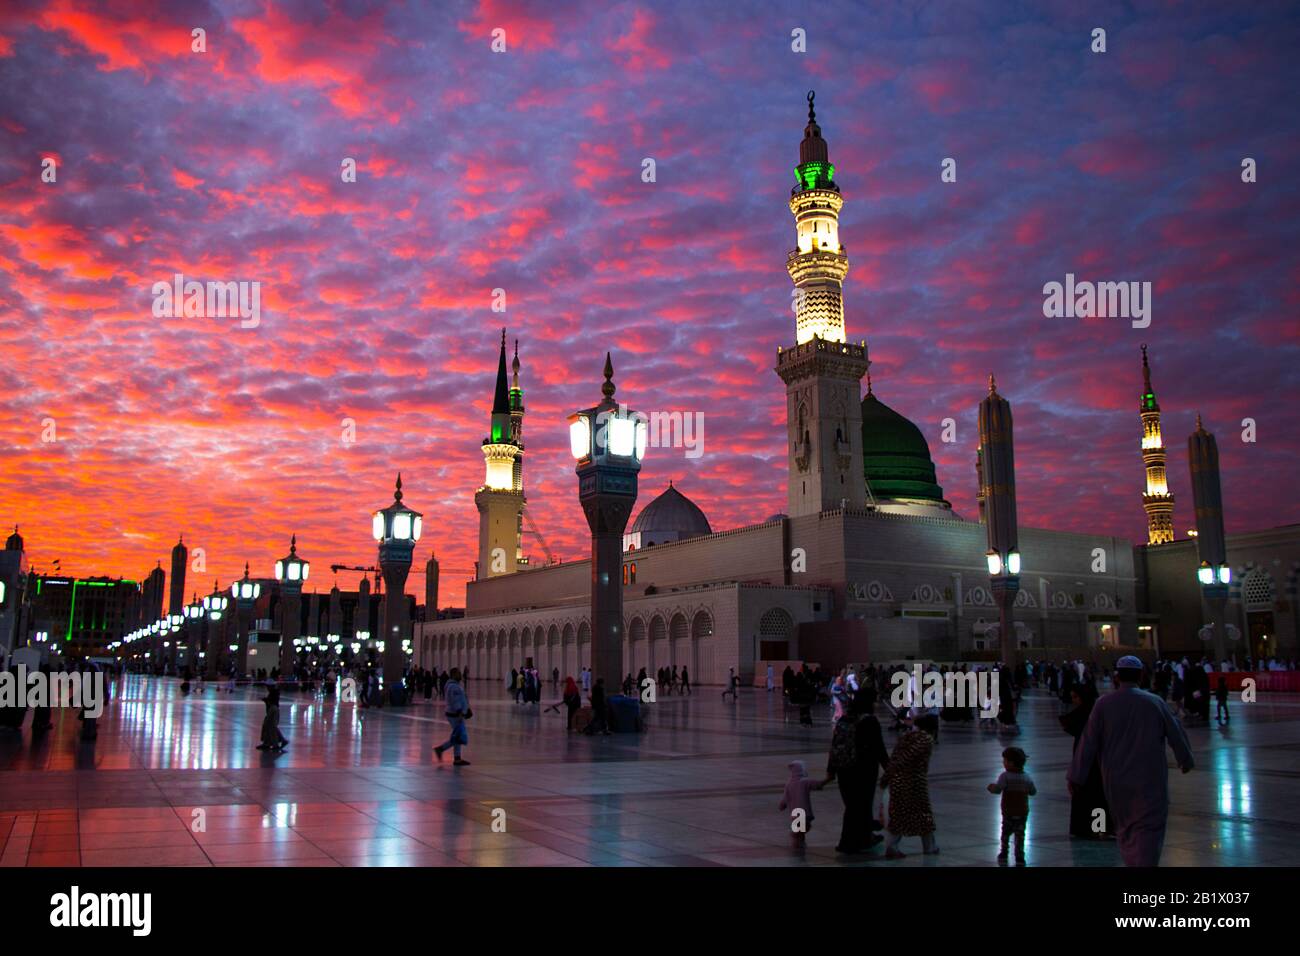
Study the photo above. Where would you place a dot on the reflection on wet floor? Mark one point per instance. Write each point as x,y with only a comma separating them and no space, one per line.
177,781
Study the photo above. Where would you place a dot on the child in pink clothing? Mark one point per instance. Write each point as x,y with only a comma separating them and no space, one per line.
798,797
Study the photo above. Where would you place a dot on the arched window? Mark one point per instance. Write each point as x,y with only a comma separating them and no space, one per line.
775,628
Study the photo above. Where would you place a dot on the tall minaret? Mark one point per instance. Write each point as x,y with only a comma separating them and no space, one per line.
180,556
500,500
431,587
823,372
1157,500
517,419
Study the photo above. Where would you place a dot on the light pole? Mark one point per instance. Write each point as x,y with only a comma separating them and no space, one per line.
245,593
291,571
1207,497
193,614
608,444
176,620
998,477
396,529
214,605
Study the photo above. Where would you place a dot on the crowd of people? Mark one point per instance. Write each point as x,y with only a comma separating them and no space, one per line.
1121,721
1117,778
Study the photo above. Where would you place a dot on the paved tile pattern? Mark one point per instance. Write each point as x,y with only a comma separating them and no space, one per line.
700,788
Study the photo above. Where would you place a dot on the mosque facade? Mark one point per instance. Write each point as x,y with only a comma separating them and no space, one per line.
869,561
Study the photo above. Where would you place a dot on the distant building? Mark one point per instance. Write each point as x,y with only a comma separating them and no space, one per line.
82,616
13,584
151,597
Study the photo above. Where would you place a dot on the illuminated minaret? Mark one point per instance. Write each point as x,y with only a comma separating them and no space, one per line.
1157,500
818,266
823,372
500,500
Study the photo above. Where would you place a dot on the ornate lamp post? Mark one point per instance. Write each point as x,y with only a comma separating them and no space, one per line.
396,529
176,621
245,593
998,476
608,444
1213,574
193,614
214,605
291,571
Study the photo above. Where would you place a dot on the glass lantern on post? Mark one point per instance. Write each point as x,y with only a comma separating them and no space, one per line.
245,593
291,571
395,529
608,442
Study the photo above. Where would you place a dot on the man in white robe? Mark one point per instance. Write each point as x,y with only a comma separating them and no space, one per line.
1126,734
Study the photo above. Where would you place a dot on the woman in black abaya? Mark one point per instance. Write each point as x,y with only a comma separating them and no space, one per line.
1091,797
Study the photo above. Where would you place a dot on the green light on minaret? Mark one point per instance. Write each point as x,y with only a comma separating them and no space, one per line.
810,175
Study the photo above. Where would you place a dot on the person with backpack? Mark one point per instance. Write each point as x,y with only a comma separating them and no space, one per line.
857,755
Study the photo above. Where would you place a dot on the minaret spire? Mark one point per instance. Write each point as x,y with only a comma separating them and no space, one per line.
1156,500
500,499
501,399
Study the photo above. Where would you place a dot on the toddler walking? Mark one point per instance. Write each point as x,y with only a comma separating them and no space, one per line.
1016,788
798,796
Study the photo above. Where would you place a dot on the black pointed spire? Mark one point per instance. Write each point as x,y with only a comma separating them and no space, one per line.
608,388
813,149
1148,403
501,400
397,494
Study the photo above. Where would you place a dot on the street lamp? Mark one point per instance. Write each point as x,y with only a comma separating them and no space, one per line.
1205,574
998,489
1213,572
396,529
291,571
214,605
193,615
607,442
245,593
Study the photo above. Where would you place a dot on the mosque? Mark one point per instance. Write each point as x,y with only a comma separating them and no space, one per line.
869,561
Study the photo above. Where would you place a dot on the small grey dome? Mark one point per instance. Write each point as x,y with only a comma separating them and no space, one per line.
671,514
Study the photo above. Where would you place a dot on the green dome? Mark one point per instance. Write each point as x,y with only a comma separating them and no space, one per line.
896,456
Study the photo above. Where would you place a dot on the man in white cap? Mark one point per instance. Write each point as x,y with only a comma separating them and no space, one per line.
1126,735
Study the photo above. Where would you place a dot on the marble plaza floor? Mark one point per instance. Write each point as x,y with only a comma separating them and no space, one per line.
700,788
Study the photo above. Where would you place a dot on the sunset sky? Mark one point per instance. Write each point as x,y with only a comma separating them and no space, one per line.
522,170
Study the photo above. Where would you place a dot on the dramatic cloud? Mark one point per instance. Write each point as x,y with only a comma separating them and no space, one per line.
522,170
